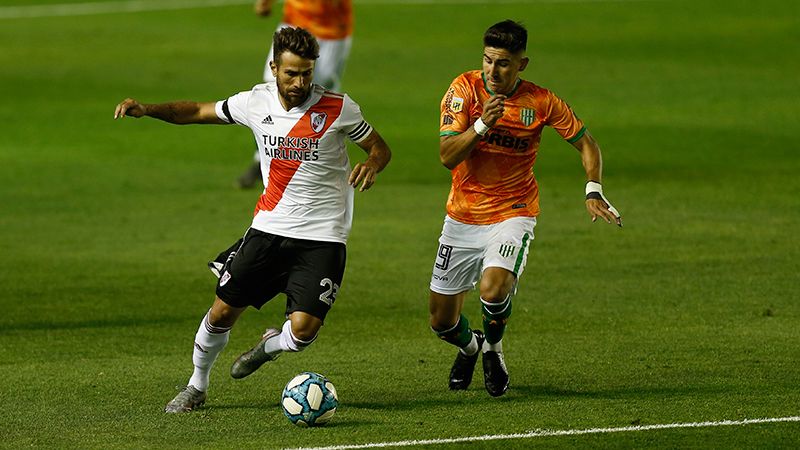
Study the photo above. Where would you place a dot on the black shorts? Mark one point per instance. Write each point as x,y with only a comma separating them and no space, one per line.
308,272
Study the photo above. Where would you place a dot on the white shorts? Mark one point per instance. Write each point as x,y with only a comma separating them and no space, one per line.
329,68
465,251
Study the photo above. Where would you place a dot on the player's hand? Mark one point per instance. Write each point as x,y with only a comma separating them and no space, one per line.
363,173
601,209
598,205
493,109
129,107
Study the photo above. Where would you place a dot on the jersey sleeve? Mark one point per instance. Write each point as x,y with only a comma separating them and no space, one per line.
352,122
234,108
563,120
454,118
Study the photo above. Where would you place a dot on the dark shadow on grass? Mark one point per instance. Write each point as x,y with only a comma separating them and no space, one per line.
527,393
216,406
337,423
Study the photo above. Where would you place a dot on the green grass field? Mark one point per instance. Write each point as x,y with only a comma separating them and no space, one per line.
688,314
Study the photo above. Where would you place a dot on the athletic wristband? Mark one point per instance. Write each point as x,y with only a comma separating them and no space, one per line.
594,190
480,127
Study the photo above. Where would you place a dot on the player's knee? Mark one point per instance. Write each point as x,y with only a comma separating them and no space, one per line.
304,334
305,327
441,323
494,293
222,315
496,286
444,310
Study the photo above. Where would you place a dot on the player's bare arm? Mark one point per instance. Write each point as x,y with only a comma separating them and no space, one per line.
378,157
455,149
180,112
263,8
592,160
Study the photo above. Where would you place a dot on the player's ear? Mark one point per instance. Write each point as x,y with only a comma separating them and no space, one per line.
273,68
523,63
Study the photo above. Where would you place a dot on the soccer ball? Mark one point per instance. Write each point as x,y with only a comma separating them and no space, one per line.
309,399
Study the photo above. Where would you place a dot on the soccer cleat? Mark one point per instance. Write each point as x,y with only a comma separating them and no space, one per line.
226,255
252,359
495,374
464,366
216,268
187,399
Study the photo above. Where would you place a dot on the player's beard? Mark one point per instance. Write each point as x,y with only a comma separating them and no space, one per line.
294,96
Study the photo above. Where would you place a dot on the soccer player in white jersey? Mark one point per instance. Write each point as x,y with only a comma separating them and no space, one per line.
296,242
331,22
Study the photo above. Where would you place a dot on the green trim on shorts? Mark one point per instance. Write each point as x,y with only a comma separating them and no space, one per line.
521,254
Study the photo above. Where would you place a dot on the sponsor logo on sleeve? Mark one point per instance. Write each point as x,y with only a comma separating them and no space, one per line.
448,99
225,278
447,119
457,104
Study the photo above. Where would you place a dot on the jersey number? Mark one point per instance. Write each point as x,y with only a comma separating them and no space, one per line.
329,296
443,258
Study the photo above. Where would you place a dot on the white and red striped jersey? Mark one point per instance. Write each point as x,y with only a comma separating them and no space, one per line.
304,162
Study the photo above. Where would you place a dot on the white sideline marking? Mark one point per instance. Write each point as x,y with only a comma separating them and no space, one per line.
550,433
132,6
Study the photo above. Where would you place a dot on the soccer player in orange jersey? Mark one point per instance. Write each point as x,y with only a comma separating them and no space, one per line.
331,23
490,130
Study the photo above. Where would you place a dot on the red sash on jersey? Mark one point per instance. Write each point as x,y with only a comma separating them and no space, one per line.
281,171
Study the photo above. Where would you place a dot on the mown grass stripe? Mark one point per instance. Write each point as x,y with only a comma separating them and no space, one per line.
133,6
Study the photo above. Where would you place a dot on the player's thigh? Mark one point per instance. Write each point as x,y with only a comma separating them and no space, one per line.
256,273
509,244
315,276
455,269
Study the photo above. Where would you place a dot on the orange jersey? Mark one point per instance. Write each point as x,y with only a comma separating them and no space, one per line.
325,19
496,180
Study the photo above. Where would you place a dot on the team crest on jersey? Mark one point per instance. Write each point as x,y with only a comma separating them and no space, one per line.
318,121
527,116
507,249
457,104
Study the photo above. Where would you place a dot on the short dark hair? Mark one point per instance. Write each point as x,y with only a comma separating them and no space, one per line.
508,35
297,41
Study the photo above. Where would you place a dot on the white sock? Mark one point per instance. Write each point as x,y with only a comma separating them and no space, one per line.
470,348
496,347
208,343
288,341
272,346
